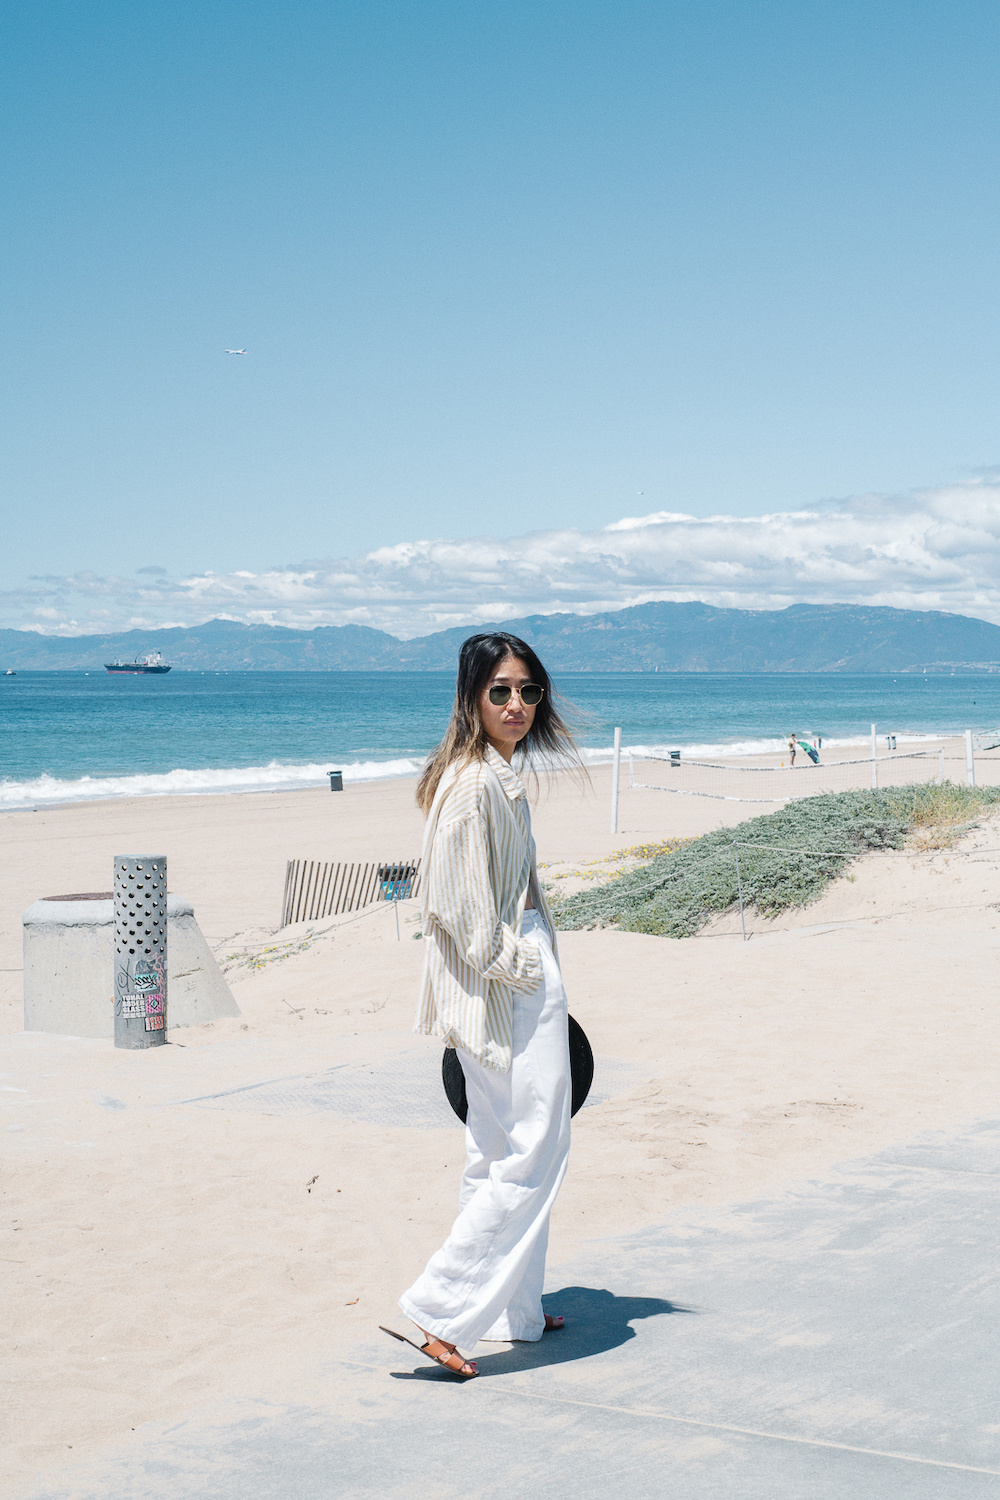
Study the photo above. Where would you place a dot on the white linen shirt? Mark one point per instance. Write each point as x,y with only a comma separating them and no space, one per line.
478,866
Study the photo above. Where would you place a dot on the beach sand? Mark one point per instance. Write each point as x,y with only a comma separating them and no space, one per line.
155,1252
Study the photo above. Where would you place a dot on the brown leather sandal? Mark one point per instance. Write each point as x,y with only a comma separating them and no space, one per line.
554,1321
449,1357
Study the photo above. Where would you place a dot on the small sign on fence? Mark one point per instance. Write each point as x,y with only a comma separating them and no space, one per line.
315,889
397,881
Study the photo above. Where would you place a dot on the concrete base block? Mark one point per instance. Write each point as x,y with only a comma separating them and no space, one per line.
69,961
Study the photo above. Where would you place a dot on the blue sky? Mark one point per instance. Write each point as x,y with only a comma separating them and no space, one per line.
499,270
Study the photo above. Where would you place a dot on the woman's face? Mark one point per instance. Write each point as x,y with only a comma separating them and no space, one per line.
507,724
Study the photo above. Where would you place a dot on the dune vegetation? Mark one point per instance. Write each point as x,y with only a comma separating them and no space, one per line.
780,860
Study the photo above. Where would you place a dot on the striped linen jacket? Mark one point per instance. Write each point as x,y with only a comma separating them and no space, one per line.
478,867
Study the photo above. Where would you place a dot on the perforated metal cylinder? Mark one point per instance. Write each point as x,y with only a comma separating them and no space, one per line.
140,976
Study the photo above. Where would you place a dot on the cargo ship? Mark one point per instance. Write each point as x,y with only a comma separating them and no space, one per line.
151,662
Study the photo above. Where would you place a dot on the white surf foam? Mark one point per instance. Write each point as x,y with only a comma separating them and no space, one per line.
46,790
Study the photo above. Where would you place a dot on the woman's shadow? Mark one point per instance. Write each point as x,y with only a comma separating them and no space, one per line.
596,1320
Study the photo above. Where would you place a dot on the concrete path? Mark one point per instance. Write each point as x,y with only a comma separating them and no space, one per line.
836,1342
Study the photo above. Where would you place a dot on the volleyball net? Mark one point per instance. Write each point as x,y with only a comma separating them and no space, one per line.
775,780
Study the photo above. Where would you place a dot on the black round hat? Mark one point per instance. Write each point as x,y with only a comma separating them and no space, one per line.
581,1064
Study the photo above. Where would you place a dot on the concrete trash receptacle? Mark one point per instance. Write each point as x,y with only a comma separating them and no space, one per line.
68,967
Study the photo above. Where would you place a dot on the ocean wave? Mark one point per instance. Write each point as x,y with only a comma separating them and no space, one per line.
45,790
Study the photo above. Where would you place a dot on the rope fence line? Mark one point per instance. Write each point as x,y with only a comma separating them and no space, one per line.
681,791
825,778
708,765
905,767
830,775
869,853
775,875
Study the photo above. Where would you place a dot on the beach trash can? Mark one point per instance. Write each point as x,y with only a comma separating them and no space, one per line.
336,780
675,759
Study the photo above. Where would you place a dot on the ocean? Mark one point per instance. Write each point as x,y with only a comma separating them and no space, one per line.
70,736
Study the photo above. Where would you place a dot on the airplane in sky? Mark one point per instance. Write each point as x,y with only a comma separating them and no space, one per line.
236,351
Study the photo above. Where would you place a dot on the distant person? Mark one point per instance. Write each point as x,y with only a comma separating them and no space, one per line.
791,747
492,989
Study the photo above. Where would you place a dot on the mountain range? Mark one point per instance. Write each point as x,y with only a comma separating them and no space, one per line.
662,637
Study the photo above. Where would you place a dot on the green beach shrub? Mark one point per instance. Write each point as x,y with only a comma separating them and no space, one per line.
786,858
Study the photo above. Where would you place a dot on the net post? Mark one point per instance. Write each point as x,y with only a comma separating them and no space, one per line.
970,762
739,888
616,771
874,761
941,771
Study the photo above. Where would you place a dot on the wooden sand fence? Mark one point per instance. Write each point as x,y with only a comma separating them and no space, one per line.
315,889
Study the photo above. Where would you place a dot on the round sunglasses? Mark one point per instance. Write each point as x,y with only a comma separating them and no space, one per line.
529,694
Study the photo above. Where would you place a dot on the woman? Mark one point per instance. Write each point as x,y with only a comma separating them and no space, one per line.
492,989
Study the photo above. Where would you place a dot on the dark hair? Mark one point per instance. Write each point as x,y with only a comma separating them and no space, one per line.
465,738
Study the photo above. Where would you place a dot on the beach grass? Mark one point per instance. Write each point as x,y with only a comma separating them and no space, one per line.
778,861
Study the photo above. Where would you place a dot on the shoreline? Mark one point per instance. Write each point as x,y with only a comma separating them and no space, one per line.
49,791
228,853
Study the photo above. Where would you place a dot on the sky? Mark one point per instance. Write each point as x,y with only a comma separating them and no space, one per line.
546,306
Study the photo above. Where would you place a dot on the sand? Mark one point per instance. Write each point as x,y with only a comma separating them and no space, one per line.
155,1252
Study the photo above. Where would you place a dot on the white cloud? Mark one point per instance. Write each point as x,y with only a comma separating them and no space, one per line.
931,549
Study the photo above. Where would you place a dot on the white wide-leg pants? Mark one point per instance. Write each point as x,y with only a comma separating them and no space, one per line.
486,1280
